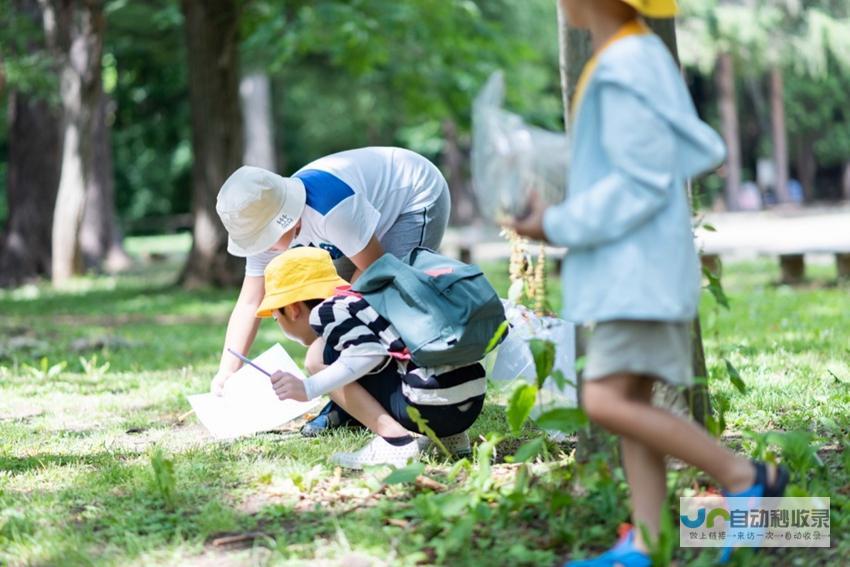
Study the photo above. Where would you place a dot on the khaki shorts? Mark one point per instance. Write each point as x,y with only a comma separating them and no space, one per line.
660,349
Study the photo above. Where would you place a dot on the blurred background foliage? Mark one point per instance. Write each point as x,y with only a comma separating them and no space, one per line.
360,72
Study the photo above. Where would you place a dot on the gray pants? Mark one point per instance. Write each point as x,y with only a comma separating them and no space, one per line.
424,227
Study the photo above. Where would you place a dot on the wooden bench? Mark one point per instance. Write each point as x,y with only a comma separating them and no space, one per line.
792,264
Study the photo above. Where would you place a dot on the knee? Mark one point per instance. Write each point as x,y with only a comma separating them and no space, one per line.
596,402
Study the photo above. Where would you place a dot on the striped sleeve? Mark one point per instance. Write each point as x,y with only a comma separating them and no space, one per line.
337,322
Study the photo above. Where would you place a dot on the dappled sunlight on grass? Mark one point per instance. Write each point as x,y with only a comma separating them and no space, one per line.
78,485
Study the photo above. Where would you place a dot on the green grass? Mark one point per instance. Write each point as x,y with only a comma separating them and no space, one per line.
96,469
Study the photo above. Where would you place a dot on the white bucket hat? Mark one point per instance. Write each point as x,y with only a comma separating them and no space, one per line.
256,207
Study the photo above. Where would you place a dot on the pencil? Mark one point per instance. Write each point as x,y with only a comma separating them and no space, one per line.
248,361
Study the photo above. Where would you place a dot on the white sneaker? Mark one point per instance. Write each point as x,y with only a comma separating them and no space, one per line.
458,444
379,452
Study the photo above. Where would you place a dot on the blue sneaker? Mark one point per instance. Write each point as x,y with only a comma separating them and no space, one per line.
330,417
761,488
624,554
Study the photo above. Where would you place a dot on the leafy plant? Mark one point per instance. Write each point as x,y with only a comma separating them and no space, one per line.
425,429
406,474
164,480
44,370
92,369
520,405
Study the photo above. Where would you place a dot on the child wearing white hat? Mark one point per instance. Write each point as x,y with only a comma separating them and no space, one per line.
356,204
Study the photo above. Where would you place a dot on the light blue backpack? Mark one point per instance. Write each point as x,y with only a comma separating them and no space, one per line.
445,311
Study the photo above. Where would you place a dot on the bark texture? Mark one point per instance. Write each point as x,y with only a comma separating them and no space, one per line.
211,28
75,31
32,176
725,76
779,134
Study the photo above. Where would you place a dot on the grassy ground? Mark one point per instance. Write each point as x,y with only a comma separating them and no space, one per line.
97,468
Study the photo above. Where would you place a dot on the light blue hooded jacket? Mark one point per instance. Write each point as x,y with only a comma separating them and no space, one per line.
626,220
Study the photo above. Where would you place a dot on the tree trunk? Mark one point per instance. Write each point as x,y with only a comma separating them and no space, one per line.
575,50
31,181
32,177
729,124
666,30
780,135
100,236
217,139
75,30
455,165
807,165
255,94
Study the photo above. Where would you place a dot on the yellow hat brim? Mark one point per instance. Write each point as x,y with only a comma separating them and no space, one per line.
322,289
655,8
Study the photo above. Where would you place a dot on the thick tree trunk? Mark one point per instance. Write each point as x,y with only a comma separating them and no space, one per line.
729,124
32,176
255,93
217,137
100,235
31,181
455,165
780,135
75,29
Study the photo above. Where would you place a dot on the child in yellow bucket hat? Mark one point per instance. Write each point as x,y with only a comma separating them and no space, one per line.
356,357
632,271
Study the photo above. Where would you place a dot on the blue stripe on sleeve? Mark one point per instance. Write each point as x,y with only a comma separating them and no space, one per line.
324,190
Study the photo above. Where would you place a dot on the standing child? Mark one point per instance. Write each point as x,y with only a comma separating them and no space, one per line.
632,270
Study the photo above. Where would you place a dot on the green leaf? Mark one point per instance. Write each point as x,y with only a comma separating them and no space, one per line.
406,474
709,227
565,420
543,353
520,404
735,378
527,451
716,288
424,429
581,362
497,337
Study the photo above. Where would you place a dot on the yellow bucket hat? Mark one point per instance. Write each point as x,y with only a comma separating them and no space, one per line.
297,275
654,8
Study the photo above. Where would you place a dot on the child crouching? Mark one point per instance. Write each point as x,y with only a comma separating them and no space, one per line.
356,357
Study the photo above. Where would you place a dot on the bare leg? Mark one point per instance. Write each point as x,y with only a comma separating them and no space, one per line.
354,399
608,402
646,473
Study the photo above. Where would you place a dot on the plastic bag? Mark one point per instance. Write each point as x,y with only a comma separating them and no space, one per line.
512,159
514,360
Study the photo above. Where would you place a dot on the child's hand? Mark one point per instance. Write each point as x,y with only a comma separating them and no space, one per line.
531,225
288,387
217,384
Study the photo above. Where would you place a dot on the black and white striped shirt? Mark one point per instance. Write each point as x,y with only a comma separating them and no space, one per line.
351,327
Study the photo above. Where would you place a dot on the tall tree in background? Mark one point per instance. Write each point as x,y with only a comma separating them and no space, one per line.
211,28
75,31
256,95
100,236
84,223
33,167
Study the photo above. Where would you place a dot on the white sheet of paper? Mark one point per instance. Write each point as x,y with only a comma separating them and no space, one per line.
249,404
